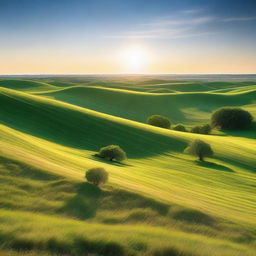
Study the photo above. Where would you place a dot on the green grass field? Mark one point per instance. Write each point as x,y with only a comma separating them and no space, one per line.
159,199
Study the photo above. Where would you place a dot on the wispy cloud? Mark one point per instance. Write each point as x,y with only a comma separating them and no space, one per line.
191,11
186,23
157,33
161,34
174,21
168,27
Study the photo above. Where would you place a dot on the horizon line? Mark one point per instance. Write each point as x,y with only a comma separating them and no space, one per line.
118,74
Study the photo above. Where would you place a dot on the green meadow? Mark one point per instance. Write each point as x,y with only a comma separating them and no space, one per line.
158,202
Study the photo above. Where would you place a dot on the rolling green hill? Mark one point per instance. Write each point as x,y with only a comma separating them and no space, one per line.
149,83
27,85
180,107
159,198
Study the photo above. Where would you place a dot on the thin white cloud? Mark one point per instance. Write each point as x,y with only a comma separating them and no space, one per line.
188,24
161,34
158,33
167,28
173,21
202,20
191,11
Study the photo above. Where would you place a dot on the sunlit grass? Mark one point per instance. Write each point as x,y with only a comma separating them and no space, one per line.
26,231
50,144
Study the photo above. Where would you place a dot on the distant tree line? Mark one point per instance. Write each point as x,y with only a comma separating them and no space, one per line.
165,122
225,118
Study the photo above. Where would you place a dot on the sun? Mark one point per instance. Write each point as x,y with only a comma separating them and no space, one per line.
134,59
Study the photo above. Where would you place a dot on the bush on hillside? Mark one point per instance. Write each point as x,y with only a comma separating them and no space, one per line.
202,129
229,118
195,129
179,127
199,148
97,176
159,121
205,129
112,152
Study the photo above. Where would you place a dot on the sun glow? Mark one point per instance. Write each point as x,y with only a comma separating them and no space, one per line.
134,59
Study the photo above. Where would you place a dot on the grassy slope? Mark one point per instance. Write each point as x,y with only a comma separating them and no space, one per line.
27,85
149,83
161,171
71,236
29,189
179,107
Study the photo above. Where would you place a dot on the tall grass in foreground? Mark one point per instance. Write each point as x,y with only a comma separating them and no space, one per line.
26,231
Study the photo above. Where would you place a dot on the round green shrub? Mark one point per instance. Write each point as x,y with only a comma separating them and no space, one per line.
201,129
112,152
97,176
159,121
179,127
199,148
195,129
229,118
205,129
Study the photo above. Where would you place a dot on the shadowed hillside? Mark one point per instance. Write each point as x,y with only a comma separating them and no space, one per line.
77,127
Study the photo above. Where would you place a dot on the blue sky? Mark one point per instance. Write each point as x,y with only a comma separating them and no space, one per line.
80,36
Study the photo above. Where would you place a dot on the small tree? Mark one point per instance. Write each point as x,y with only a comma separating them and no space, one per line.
97,176
205,129
199,148
202,129
195,129
228,118
112,152
159,121
179,127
